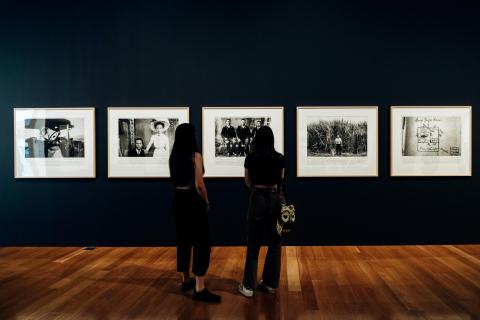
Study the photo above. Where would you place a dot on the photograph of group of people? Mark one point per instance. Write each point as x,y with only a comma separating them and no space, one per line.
230,134
235,137
331,141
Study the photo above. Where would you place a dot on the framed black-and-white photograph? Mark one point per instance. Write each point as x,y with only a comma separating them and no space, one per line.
337,141
54,142
140,140
431,141
229,135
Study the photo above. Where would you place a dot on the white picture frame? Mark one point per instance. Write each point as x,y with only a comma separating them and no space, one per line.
135,148
431,141
220,160
337,141
54,142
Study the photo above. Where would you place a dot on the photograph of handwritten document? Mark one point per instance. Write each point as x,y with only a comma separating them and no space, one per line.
431,136
431,141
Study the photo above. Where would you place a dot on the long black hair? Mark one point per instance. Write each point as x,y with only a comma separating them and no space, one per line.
264,141
183,150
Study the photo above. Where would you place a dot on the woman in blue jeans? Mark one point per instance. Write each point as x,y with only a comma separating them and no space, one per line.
264,171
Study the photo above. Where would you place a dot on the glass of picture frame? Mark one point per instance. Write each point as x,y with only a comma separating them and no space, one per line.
431,141
228,135
54,142
140,140
337,141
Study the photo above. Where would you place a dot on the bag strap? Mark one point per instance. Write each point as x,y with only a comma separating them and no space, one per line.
282,187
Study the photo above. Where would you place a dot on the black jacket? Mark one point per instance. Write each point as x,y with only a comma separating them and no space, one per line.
228,132
243,133
133,153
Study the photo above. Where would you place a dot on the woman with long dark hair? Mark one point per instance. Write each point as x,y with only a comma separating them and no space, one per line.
264,172
190,205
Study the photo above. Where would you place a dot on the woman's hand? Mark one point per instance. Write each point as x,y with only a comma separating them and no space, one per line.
248,180
199,183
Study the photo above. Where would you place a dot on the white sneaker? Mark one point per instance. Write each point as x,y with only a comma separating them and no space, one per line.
247,292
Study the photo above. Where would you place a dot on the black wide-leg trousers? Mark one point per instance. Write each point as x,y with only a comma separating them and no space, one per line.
192,231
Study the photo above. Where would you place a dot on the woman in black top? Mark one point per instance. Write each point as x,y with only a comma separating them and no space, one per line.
264,171
190,205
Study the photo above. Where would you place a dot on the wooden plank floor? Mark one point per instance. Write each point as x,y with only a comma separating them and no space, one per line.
349,282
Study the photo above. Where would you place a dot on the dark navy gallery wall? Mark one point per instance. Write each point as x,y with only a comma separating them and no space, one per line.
197,53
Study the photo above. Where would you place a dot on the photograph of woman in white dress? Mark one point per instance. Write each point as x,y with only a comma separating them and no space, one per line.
159,140
157,133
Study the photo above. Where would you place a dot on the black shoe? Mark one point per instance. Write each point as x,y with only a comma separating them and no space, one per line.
266,289
187,286
206,296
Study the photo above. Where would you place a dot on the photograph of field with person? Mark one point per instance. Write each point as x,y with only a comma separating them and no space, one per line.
337,137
